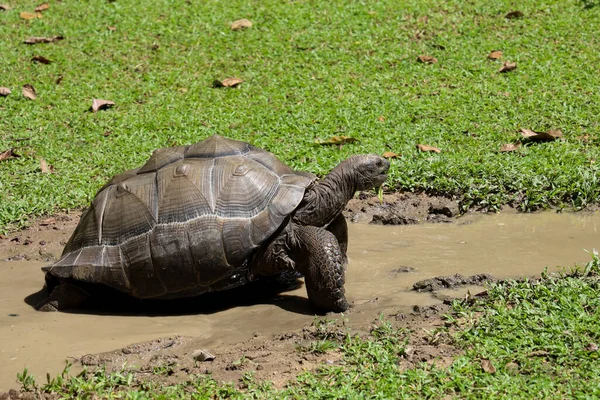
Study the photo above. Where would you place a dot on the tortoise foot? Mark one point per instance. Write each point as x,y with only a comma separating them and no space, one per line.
64,296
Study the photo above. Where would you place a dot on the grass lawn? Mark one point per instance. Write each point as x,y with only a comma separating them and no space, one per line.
311,70
526,339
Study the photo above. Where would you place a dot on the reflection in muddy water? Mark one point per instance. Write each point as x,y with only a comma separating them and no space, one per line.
384,263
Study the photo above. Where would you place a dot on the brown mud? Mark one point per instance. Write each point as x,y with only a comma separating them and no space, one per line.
403,270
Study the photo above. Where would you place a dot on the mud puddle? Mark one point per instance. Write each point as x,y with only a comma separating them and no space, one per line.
385,263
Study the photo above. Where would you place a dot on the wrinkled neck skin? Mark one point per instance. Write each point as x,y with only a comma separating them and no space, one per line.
328,197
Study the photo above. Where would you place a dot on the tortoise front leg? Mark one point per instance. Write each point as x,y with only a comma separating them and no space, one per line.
339,228
318,257
64,296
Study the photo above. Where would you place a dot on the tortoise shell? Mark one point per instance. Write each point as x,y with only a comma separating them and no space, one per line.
186,222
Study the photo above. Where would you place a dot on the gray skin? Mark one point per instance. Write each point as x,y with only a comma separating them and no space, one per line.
312,239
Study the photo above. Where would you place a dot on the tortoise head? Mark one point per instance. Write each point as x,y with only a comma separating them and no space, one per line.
370,170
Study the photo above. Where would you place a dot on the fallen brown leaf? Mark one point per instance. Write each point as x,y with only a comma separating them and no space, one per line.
381,118
59,79
514,14
45,167
241,24
487,366
427,59
8,154
390,154
591,347
509,147
425,147
508,66
27,15
583,138
550,135
227,82
337,140
29,91
539,353
48,221
36,40
42,7
5,7
494,55
99,104
112,28
40,59
4,91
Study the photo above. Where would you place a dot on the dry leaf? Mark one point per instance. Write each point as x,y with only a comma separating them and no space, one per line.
8,154
487,366
508,66
29,92
4,7
514,14
427,59
27,15
539,353
591,347
4,91
40,59
99,104
48,221
241,24
45,167
494,55
337,140
389,154
202,355
509,147
425,147
550,135
112,28
42,7
583,138
36,40
227,82
381,118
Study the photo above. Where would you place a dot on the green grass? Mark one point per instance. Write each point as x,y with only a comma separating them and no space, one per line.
312,69
541,337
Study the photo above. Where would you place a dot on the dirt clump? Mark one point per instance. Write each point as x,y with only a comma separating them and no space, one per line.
401,209
449,282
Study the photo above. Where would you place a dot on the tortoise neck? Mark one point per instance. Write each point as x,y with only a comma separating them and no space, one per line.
327,198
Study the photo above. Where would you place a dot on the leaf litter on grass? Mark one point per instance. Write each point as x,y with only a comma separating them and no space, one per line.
40,59
425,59
241,24
36,39
428,148
494,55
547,136
99,104
336,140
508,66
227,82
508,147
4,91
45,167
8,154
42,7
29,92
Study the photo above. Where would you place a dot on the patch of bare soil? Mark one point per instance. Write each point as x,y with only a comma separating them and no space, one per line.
401,209
276,358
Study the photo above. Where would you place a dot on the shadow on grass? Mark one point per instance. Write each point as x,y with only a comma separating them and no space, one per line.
107,301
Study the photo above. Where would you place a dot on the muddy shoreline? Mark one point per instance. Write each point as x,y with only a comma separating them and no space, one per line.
268,352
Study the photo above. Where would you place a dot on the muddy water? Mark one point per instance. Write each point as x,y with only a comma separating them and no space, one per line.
503,245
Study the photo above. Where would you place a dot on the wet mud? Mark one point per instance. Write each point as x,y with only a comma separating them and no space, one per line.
266,322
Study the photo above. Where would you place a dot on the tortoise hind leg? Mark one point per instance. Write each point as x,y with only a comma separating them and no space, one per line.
63,296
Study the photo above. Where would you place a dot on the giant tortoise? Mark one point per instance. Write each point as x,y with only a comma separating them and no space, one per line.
212,216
